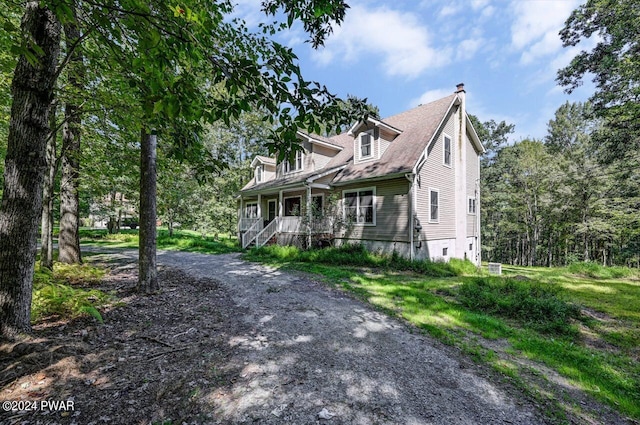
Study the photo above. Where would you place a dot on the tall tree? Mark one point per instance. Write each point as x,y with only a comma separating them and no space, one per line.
46,227
166,53
69,235
25,163
614,63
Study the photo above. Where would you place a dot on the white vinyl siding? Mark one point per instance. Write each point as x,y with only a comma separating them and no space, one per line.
321,156
473,176
434,175
384,141
392,214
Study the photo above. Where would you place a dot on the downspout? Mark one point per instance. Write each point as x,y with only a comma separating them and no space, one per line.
411,177
412,201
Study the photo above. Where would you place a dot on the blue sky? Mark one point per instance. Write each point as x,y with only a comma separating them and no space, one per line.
402,53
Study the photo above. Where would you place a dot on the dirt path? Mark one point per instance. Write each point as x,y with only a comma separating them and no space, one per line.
234,342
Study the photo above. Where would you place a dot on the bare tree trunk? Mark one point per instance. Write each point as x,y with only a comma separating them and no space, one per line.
147,270
25,165
46,228
69,239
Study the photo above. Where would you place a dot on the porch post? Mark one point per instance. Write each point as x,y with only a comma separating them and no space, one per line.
259,206
309,216
280,210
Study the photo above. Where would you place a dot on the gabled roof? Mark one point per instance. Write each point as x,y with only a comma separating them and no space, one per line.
416,129
419,125
320,140
262,159
353,131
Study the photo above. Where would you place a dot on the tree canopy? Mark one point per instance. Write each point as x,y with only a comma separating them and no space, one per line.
178,66
614,62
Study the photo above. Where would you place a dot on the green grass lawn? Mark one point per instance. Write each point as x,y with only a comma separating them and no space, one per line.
182,240
585,327
582,321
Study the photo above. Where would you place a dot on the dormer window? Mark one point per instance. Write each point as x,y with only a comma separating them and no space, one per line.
259,173
365,145
295,164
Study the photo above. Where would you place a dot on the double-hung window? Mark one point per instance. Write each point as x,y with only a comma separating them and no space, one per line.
471,205
359,206
447,151
251,210
295,164
434,205
365,145
258,173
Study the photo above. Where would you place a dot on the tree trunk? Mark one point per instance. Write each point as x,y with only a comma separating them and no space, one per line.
46,228
147,271
25,165
69,239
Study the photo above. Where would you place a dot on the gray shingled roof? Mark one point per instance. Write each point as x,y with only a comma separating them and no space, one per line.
418,126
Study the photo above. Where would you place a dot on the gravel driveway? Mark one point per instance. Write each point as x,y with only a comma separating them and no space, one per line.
314,352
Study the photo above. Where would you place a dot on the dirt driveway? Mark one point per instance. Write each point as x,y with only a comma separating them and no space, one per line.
235,342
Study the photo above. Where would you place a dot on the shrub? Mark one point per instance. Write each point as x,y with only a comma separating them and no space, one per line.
536,305
55,293
595,270
358,256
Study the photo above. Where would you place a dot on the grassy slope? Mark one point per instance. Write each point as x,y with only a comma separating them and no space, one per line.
182,240
599,353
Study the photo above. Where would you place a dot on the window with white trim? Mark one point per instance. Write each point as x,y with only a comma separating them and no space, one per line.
259,170
447,150
292,206
360,206
296,164
366,148
251,210
434,205
471,205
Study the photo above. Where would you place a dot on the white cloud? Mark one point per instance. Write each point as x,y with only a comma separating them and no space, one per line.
478,4
467,48
430,96
536,26
487,12
448,10
248,10
395,40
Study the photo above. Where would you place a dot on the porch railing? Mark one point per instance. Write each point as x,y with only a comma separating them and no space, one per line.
245,223
321,225
250,234
290,224
268,232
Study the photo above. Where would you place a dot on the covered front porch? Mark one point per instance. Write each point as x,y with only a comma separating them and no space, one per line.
282,216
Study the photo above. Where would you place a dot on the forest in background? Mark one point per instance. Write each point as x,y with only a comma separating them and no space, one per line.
547,202
572,196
